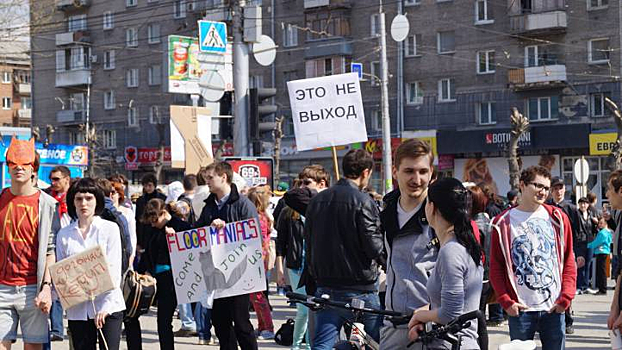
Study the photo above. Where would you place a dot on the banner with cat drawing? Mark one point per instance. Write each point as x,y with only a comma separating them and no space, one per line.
224,262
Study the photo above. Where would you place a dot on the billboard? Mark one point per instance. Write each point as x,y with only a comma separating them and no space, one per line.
184,69
256,171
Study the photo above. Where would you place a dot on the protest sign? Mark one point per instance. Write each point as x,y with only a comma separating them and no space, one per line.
81,277
227,262
327,111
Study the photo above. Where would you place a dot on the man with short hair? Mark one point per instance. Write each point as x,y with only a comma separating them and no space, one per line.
343,242
407,238
230,316
30,221
532,267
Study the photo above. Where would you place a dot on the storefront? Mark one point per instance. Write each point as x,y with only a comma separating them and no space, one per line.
480,156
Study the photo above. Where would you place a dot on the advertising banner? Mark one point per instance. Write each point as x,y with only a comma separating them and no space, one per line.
256,171
184,69
223,263
601,144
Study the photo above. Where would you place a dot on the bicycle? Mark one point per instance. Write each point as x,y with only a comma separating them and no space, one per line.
448,332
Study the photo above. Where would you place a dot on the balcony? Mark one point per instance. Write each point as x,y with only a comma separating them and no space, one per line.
542,77
536,23
67,5
73,78
24,113
24,89
80,36
328,47
70,116
309,4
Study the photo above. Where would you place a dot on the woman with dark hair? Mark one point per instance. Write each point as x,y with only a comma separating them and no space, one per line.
158,215
85,201
455,285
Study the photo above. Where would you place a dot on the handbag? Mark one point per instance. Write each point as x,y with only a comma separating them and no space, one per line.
139,292
285,335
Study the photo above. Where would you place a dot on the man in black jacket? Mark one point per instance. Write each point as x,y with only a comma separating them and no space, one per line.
230,315
343,241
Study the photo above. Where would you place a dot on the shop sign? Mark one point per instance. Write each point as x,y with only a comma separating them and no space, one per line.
601,144
144,156
255,170
501,139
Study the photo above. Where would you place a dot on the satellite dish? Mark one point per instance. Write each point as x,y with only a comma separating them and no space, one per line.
400,28
264,51
212,86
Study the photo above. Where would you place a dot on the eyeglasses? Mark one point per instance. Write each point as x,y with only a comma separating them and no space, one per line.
56,178
540,187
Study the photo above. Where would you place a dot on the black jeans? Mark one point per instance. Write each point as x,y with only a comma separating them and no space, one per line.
84,334
231,321
133,334
601,272
167,302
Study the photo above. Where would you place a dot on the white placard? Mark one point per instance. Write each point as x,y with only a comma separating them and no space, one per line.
327,111
227,262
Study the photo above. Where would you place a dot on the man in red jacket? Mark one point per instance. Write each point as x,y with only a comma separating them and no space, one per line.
532,267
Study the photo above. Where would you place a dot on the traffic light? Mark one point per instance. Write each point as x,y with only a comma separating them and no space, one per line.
260,120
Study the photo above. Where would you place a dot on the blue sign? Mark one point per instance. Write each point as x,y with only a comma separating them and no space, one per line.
212,36
357,68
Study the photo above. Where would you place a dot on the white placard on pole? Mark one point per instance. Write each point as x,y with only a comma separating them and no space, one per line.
327,111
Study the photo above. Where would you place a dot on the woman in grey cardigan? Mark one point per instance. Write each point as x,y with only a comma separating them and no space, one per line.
455,285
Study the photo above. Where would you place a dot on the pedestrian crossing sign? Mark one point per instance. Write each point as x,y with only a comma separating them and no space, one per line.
213,36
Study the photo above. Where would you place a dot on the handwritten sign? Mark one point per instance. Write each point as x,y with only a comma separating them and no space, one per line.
225,262
81,277
327,111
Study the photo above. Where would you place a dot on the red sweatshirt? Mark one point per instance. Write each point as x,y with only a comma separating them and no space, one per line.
501,271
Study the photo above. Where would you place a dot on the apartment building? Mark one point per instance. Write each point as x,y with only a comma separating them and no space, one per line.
15,84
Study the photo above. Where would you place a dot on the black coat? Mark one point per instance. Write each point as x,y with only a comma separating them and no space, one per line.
235,209
289,239
158,247
343,238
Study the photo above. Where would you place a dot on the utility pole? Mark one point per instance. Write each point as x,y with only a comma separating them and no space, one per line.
386,121
240,82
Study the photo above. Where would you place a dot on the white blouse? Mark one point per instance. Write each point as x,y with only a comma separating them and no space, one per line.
69,242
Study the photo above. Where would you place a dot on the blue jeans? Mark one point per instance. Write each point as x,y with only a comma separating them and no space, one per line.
56,318
186,317
551,326
329,321
203,318
495,313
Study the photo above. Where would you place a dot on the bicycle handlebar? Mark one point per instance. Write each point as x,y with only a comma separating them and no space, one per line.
443,331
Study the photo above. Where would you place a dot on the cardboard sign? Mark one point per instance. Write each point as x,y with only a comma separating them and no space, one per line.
191,137
327,111
224,262
81,277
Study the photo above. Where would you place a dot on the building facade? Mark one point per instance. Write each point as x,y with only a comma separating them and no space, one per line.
15,84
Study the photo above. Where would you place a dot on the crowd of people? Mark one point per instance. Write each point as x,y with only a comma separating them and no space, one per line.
434,248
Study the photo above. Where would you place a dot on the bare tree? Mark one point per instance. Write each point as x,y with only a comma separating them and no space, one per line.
520,124
161,129
278,135
615,158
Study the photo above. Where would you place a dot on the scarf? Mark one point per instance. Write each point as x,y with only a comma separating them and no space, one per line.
60,197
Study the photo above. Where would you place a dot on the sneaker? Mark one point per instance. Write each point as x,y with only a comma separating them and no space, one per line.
56,338
569,329
578,292
204,342
591,291
266,335
181,333
494,323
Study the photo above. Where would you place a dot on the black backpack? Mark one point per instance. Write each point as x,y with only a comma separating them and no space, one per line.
107,214
285,335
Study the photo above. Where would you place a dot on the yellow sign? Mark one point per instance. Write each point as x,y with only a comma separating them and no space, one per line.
601,144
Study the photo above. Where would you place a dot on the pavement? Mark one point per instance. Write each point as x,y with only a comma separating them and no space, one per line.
590,312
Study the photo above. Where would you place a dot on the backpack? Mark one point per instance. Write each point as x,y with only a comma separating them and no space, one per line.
139,292
107,214
285,335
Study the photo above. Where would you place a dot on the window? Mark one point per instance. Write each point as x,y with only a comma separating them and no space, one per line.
446,42
290,35
131,78
486,113
109,100
376,120
540,55
326,24
6,103
411,45
76,138
154,115
130,3
23,77
598,50
153,33
77,101
132,116
26,103
412,2
6,77
597,103
486,62
76,23
110,139
131,37
155,75
483,13
375,24
597,4
414,93
108,20
179,9
542,108
73,58
526,6
446,90
327,66
109,60
375,73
